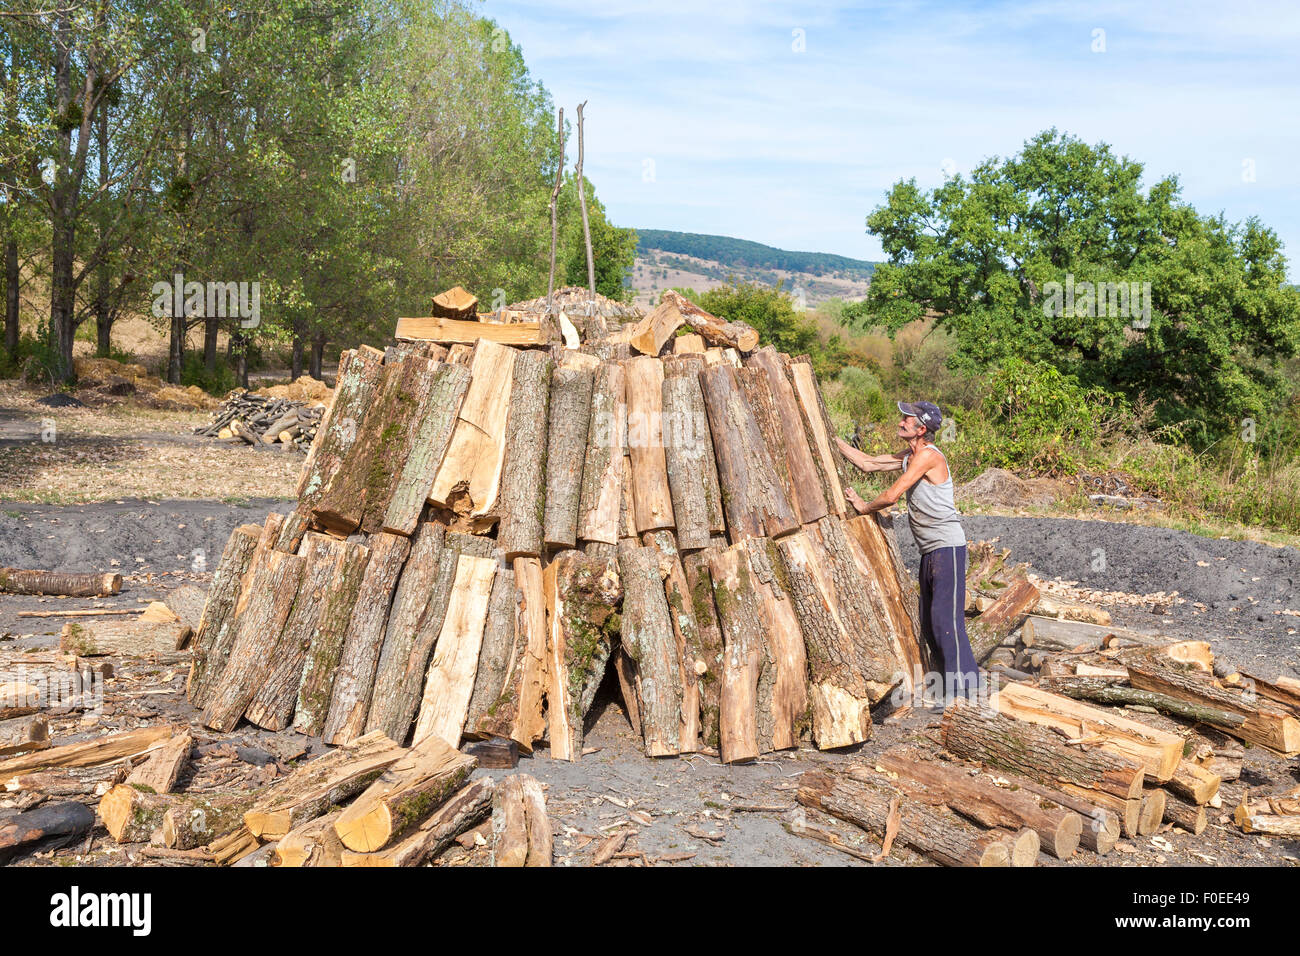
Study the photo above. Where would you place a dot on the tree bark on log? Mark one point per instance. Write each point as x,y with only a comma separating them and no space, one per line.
20,581
808,498
509,824
888,579
464,810
715,331
649,639
651,495
429,438
758,394
135,815
497,649
708,664
22,734
566,447
742,654
601,496
686,632
1101,827
46,827
216,630
319,784
414,621
1186,814
89,753
689,457
354,679
160,770
314,844
754,501
450,680
271,593
523,476
582,595
931,831
1193,782
118,638
784,709
1106,691
1007,613
517,712
979,734
818,433
202,818
404,795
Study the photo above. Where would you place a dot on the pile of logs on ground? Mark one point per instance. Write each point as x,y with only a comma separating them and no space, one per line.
483,531
251,419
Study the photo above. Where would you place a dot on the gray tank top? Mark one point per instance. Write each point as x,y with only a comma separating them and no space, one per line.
932,513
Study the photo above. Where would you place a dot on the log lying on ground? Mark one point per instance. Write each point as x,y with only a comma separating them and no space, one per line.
200,819
754,501
1155,750
1101,828
469,478
449,683
271,590
452,331
362,643
314,844
1054,607
162,768
1152,811
1259,817
1282,690
1106,691
808,498
1266,724
332,571
405,793
521,830
566,449
217,629
1186,814
319,784
980,800
517,710
21,581
47,827
601,495
1057,635
465,809
582,594
122,638
414,621
358,376
23,734
648,637
522,502
743,655
932,831
783,704
977,733
89,753
1006,614
689,456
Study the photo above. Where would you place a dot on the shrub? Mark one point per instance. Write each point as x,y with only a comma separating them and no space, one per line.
217,382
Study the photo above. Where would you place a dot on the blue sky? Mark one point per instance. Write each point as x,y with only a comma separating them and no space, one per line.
705,116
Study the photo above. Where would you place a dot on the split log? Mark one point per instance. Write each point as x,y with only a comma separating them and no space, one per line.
358,376
235,846
310,699
354,679
449,683
1127,810
217,629
1254,820
818,433
496,650
541,844
509,823
134,815
201,819
752,497
517,712
404,795
625,671
689,457
653,332
271,592
686,633
46,827
498,753
689,344
888,578
651,495
160,770
462,811
980,800
122,638
522,502
808,497
758,394
1107,691
89,753
331,569
742,655
456,303
469,478
566,448
1036,752
783,702
1282,690
1186,814
1156,751
452,332
20,581
319,784
428,438
931,831
415,619
1266,724
601,495
582,595
995,625
313,844
715,331
649,639
1217,753
24,734
707,666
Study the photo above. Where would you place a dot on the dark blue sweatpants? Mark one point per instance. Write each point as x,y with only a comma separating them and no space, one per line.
943,618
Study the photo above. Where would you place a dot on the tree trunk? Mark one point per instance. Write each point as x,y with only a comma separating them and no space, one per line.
11,298
211,327
295,361
523,475
317,354
743,654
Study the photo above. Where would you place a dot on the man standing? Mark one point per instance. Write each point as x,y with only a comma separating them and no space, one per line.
936,526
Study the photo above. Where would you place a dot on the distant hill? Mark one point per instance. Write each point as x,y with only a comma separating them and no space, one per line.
667,259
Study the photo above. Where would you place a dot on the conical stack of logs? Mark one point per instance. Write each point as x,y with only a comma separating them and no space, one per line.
483,530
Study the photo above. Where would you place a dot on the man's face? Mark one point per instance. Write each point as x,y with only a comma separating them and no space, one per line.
909,427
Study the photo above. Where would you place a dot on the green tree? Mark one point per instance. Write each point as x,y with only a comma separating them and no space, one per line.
613,249
771,311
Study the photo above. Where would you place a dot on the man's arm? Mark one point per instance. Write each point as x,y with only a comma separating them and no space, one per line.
869,463
918,466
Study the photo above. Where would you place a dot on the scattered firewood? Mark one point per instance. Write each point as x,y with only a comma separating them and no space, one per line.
90,753
163,766
20,581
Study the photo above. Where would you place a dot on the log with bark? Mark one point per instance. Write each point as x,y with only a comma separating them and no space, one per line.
201,819
689,456
1064,635
808,497
601,495
690,647
521,829
784,708
1006,614
648,637
879,562
1186,814
455,303
1109,691
743,655
1281,690
314,844
496,649
708,665
651,333
90,753
517,710
522,502
217,630
24,734
464,810
44,828
582,595
818,433
119,638
21,581
566,449
651,494
161,769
